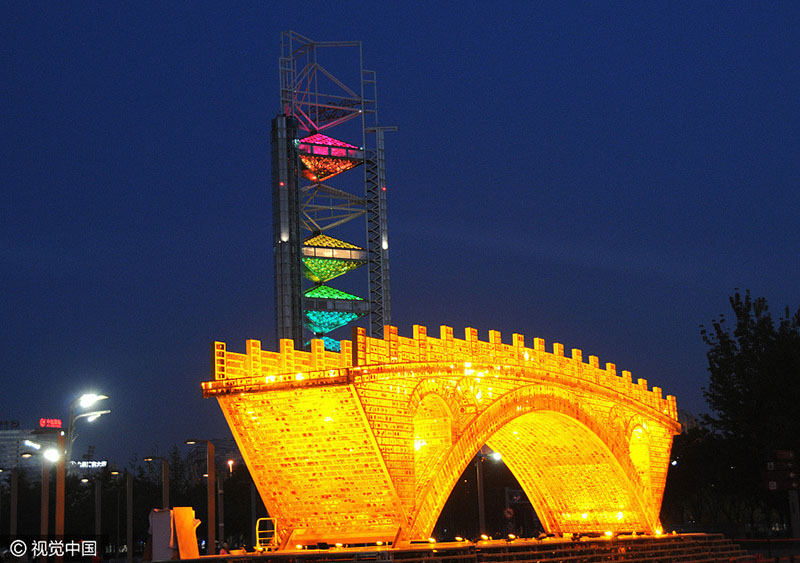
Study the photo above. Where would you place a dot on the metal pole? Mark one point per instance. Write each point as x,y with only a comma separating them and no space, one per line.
221,509
12,531
70,428
212,480
116,541
97,502
481,505
129,515
252,513
45,498
794,514
164,483
61,475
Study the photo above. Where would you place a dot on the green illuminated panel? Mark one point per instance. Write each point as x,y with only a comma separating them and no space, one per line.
321,322
327,292
331,345
320,270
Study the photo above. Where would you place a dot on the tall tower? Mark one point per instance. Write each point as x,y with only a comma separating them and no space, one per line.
323,179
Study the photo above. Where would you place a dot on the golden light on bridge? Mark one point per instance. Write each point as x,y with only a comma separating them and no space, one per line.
367,443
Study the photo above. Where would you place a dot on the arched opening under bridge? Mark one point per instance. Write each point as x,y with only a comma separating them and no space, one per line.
572,479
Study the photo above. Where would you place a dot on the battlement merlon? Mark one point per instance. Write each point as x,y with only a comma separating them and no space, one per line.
318,366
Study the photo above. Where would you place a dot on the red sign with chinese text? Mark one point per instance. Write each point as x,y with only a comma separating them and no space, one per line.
49,423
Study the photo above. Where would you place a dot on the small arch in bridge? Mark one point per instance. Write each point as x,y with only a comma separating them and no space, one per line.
639,448
433,434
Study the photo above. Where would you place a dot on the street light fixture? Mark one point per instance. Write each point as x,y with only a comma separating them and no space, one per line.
88,399
211,485
164,479
84,401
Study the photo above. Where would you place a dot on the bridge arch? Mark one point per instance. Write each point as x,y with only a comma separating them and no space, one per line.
558,450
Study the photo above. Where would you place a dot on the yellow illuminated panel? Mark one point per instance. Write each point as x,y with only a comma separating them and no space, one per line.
366,444
327,241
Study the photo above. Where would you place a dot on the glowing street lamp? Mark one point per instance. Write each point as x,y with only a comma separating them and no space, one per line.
212,486
164,479
88,399
84,401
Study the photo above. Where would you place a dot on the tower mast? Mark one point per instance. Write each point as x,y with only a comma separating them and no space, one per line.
316,193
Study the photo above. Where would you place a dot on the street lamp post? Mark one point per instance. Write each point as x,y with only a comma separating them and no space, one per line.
61,475
164,479
1,502
84,401
49,455
14,484
483,453
221,502
211,493
129,516
481,505
98,491
97,502
115,473
45,500
252,512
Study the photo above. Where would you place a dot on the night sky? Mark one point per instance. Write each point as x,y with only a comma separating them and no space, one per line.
603,177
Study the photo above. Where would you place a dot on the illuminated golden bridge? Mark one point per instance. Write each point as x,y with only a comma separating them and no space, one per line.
367,443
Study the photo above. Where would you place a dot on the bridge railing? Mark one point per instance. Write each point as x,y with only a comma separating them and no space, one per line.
260,367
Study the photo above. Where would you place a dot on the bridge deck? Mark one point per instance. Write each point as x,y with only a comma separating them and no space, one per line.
696,548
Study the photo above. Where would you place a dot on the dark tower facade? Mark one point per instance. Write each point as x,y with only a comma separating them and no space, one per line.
328,169
286,229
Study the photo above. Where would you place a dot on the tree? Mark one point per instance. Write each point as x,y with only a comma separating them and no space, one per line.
754,385
753,393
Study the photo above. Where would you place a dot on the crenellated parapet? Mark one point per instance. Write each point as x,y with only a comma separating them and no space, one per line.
232,370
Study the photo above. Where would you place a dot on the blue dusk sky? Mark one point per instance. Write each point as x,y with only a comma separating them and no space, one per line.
603,175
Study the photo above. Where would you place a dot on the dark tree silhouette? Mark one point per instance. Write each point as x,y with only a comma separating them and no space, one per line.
753,393
754,384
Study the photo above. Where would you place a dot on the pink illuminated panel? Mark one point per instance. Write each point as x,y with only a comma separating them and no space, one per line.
320,139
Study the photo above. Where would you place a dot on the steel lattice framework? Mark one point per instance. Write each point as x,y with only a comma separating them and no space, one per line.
366,444
307,207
